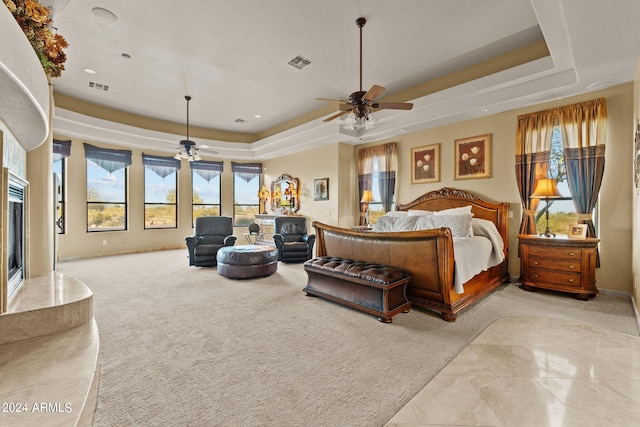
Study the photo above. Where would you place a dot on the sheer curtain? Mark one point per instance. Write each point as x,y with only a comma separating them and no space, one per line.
584,132
385,159
533,150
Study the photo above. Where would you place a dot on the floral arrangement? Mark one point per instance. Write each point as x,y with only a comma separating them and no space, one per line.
34,20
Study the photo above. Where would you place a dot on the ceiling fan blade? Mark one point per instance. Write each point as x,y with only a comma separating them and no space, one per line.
373,93
335,116
329,100
393,105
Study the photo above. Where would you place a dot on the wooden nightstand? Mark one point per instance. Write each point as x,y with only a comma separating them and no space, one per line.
559,264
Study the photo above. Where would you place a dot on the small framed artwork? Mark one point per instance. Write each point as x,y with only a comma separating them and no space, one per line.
425,164
473,157
577,231
321,189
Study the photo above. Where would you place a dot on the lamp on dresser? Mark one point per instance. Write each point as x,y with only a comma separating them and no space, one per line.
367,197
546,189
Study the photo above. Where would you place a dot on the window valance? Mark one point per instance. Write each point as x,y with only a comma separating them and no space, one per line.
207,170
162,166
61,149
107,159
246,171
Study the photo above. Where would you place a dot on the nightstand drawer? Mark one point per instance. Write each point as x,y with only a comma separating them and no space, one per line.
555,264
548,252
555,277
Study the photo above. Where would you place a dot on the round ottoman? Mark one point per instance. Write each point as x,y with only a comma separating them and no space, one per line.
247,261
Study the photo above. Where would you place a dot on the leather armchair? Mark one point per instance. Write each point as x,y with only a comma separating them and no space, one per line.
211,233
292,240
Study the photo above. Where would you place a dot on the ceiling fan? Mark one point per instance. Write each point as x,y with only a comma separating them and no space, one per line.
362,103
187,149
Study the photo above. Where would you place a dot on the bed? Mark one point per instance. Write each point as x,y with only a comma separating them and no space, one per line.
427,254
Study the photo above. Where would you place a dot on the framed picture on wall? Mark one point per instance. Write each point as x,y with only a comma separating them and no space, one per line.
321,189
425,164
473,157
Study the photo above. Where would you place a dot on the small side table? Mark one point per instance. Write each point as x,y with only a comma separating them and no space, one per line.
559,264
254,238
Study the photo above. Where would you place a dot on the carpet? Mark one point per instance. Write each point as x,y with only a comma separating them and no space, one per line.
183,346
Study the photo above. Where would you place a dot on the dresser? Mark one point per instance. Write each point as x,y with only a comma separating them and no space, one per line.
558,264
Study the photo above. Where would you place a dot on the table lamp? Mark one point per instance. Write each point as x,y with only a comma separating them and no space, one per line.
263,196
546,189
367,197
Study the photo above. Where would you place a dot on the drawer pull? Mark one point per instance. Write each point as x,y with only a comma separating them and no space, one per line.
535,263
535,275
571,254
572,266
570,280
535,251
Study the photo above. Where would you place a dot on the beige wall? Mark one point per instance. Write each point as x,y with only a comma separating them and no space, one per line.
614,215
337,162
333,161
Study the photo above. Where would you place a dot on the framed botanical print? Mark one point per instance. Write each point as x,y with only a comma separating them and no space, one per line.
425,164
473,157
321,189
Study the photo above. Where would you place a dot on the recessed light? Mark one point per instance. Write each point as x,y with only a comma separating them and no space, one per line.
89,71
257,116
104,14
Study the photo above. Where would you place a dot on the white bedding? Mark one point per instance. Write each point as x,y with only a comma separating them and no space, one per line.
472,255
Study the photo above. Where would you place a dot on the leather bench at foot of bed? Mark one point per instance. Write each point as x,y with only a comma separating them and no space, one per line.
372,288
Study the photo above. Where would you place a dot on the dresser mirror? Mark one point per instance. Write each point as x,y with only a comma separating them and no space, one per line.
284,194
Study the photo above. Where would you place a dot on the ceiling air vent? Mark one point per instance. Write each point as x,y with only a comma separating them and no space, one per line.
99,86
299,62
240,121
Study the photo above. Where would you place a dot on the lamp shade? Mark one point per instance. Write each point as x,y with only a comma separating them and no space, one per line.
367,197
546,188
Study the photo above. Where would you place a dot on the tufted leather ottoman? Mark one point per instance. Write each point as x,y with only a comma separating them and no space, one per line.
247,261
373,288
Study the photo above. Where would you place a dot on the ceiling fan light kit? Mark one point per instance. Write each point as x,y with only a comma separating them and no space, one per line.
187,149
360,104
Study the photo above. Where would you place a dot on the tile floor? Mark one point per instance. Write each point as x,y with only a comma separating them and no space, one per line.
531,371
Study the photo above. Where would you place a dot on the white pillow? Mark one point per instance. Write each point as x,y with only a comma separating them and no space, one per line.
397,223
418,212
454,211
396,213
460,224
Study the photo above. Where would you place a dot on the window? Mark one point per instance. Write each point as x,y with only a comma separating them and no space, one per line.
160,191
246,185
205,185
562,211
106,188
376,181
61,150
376,209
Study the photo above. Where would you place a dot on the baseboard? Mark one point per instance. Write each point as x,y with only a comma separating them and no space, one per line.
635,312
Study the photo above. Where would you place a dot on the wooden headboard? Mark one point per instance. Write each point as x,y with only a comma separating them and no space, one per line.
447,198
